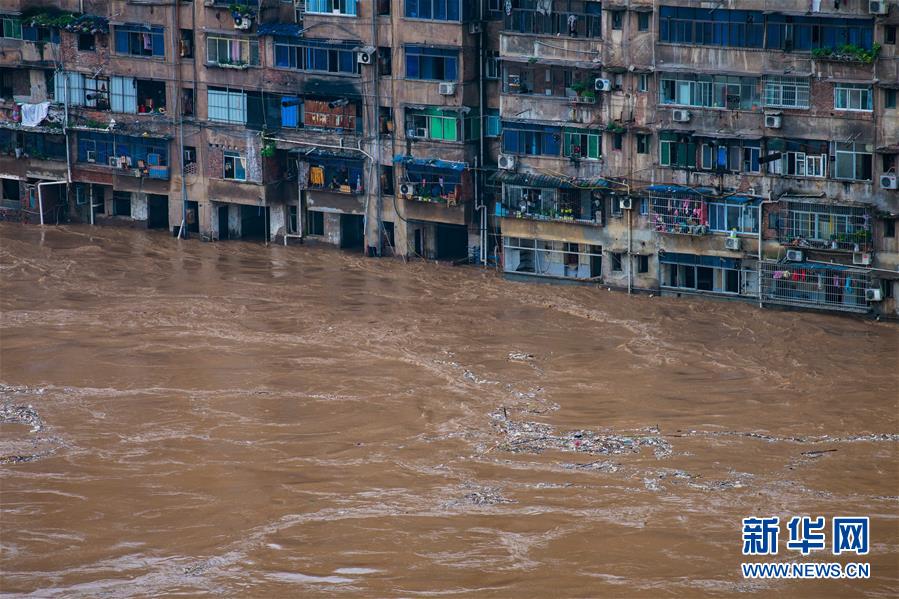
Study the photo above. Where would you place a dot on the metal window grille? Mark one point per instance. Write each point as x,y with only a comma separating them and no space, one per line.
814,286
825,226
679,214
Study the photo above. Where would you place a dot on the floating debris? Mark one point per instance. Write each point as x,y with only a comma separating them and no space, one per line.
27,415
537,437
517,356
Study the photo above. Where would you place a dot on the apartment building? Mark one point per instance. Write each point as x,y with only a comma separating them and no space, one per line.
741,149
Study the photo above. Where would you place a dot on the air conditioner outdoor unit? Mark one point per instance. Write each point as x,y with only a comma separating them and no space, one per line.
626,203
91,155
364,57
506,162
474,28
878,8
861,259
873,295
407,190
889,181
795,255
772,121
681,116
420,132
603,85
732,243
114,162
190,155
447,89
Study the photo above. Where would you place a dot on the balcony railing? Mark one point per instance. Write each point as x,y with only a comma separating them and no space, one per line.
679,214
825,227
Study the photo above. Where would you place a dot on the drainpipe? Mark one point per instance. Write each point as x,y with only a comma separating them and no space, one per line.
630,259
40,196
375,125
482,116
770,200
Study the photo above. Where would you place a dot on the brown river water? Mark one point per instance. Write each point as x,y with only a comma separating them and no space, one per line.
246,420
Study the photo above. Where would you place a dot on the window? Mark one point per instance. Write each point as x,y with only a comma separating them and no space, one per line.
332,114
889,34
190,156
644,206
805,33
853,161
226,105
643,21
700,273
235,166
853,96
99,148
315,223
642,143
139,40
642,80
231,51
86,42
383,8
531,140
121,203
548,80
731,155
433,123
711,27
431,63
732,215
786,92
889,98
291,109
828,225
385,61
494,124
579,18
711,91
889,227
617,141
615,258
186,43
187,101
617,19
12,27
329,7
642,263
317,55
676,150
45,35
547,257
437,10
578,144
491,70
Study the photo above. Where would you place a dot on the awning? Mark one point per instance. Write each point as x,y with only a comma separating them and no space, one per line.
580,64
671,189
430,162
279,29
314,153
742,199
549,181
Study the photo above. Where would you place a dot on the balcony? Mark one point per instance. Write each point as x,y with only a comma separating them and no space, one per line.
824,227
678,210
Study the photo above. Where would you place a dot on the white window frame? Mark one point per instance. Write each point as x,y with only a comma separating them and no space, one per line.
216,45
235,158
777,89
853,97
230,105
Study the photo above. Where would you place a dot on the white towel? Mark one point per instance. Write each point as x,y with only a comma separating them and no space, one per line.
33,114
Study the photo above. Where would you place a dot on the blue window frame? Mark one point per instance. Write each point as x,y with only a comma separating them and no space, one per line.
532,140
434,64
40,34
154,152
329,7
436,10
317,55
755,29
140,40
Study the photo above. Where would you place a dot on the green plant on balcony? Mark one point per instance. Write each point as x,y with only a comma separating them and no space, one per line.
589,94
268,150
615,128
579,87
848,52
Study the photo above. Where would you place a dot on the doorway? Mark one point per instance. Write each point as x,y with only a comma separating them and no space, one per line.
352,231
223,223
452,242
254,222
157,211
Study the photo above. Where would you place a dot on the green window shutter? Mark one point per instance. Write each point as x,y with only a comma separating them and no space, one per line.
435,127
664,153
566,146
451,129
593,146
691,155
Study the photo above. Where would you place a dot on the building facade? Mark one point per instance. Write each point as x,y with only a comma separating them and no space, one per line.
741,149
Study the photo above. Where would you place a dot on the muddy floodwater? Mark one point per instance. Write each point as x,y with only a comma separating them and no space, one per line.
191,418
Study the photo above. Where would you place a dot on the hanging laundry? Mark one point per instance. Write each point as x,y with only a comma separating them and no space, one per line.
544,7
33,114
148,42
317,176
820,283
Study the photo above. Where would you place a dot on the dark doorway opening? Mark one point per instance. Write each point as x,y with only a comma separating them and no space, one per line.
157,211
419,243
388,246
223,223
705,278
193,217
254,222
352,231
452,242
